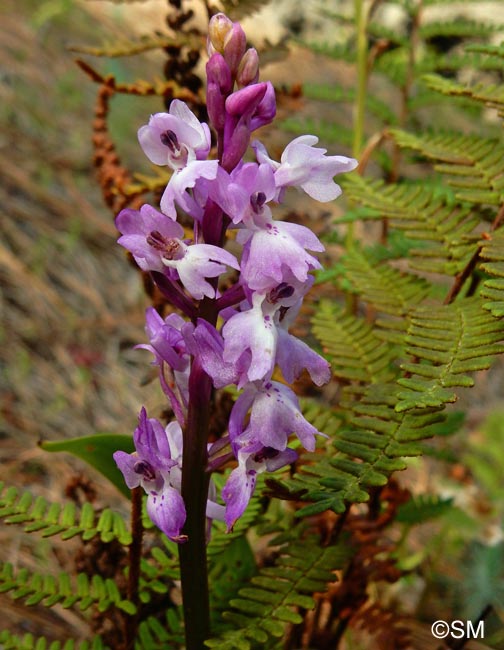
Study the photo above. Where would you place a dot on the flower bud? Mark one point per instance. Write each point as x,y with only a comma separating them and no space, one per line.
248,70
219,85
236,141
246,100
266,110
218,29
235,44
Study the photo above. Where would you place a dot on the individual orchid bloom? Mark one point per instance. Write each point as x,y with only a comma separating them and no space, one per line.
176,138
156,466
180,141
167,344
166,341
153,467
254,340
305,166
276,250
253,459
274,416
252,331
145,234
156,244
196,262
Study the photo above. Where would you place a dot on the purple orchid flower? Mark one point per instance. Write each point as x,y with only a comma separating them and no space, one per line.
277,249
257,183
274,416
196,262
180,141
307,167
167,344
253,459
208,344
156,466
145,234
155,244
176,138
154,469
166,341
252,331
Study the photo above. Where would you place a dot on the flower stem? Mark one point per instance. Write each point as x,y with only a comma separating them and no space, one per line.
134,557
195,481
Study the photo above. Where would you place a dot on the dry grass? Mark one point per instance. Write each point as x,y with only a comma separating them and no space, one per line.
71,307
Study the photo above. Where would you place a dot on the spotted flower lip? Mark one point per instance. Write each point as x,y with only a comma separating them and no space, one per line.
277,249
252,330
199,261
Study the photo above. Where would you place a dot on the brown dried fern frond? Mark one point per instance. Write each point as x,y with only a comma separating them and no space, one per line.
141,87
112,176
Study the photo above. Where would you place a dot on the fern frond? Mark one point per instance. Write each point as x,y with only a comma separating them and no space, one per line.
387,289
154,635
447,342
38,515
140,87
380,31
390,418
490,50
459,27
491,95
338,51
10,641
355,352
47,589
475,164
327,131
493,289
131,46
338,94
423,508
424,216
273,597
